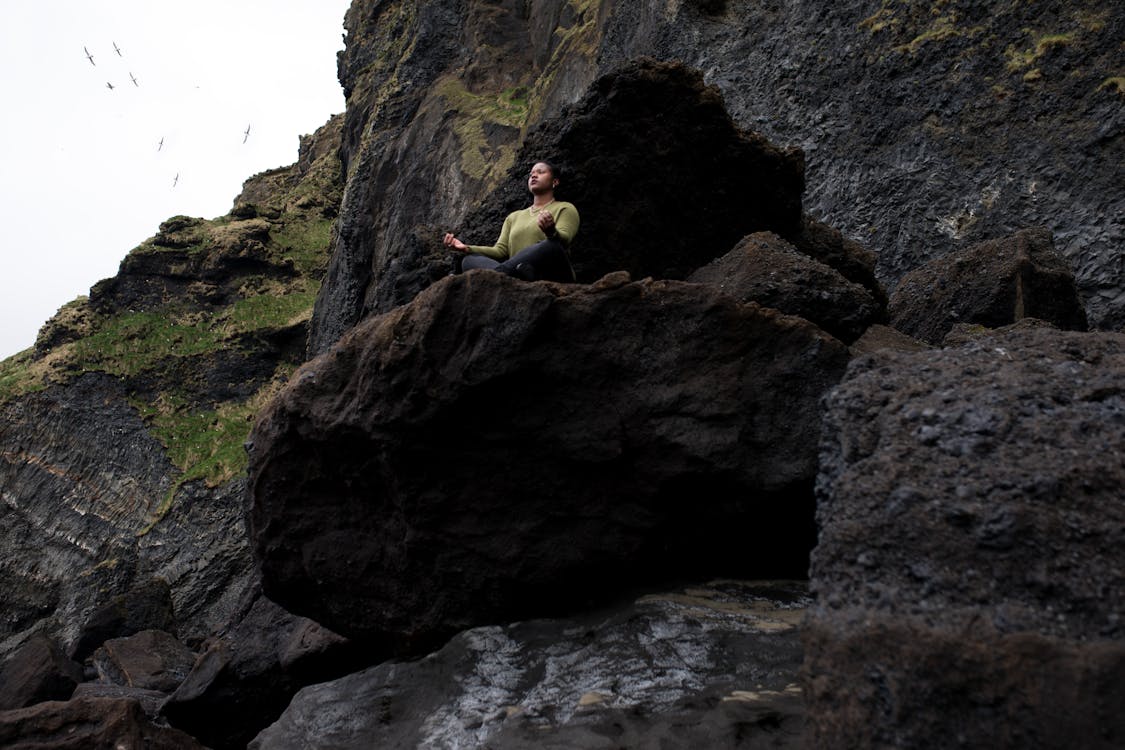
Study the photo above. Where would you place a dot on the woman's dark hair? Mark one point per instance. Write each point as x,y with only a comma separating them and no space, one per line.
556,170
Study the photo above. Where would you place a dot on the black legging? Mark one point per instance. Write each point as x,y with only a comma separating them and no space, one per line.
543,261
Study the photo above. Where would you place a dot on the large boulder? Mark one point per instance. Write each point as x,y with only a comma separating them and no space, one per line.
992,284
497,450
711,666
766,269
662,178
968,575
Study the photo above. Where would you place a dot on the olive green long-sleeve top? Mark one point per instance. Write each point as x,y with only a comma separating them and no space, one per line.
521,229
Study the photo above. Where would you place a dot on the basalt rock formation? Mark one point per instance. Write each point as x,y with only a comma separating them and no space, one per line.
916,130
662,178
968,576
122,431
922,129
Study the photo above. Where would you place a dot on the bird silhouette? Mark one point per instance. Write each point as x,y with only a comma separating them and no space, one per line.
175,179
116,49
246,134
161,144
89,57
109,85
134,79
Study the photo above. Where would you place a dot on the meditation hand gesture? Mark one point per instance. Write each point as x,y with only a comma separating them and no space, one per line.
453,242
546,223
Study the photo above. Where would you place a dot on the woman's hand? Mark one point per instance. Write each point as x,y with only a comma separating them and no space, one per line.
453,242
546,223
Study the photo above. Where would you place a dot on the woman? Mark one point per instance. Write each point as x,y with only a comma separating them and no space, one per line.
534,241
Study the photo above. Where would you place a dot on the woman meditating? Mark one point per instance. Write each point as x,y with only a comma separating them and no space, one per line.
534,242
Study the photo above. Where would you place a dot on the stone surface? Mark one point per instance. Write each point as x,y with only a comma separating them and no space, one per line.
880,337
121,434
662,178
710,666
145,606
149,700
925,129
766,269
87,724
247,676
150,660
852,260
968,576
438,94
38,671
497,450
991,284
904,153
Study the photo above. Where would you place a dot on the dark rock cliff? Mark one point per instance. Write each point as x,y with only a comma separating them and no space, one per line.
923,127
121,433
908,142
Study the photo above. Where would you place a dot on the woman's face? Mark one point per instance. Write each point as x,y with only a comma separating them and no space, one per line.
540,180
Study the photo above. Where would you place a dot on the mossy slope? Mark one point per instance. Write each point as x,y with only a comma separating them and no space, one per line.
206,318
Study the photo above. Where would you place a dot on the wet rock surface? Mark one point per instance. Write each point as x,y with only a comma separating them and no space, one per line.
968,574
629,432
707,666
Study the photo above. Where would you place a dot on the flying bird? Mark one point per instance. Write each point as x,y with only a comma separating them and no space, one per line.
89,57
246,134
175,179
161,144
116,49
133,78
109,85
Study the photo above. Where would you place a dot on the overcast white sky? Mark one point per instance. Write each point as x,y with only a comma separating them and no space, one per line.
83,179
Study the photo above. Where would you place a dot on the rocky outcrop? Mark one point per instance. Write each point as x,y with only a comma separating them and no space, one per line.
711,666
925,129
122,463
247,675
766,269
992,284
662,178
498,449
88,724
968,575
83,480
902,153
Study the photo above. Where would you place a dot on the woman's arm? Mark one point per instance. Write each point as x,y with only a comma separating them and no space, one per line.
499,251
566,224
